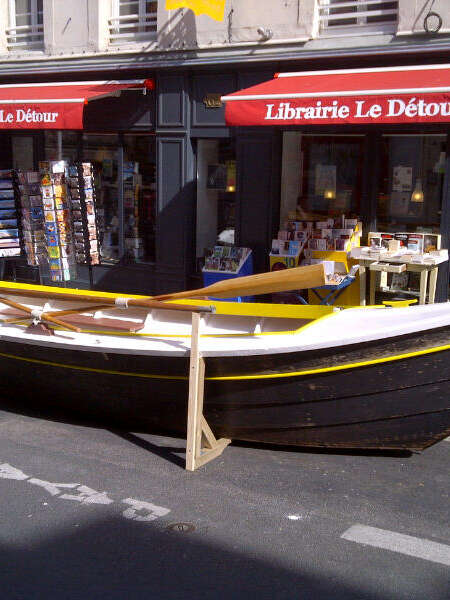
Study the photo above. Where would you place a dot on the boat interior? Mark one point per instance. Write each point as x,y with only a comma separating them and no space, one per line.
101,321
227,318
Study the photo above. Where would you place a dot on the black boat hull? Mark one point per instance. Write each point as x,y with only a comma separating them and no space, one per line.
389,394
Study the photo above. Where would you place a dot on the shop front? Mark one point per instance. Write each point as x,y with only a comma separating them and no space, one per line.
366,146
108,125
177,170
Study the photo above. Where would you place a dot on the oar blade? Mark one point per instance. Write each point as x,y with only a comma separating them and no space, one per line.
298,278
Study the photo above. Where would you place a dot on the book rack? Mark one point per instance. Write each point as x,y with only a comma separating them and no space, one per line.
201,444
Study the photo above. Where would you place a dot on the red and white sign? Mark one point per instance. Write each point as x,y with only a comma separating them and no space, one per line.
419,94
54,105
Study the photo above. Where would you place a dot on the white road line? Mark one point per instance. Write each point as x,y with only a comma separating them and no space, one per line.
397,542
447,439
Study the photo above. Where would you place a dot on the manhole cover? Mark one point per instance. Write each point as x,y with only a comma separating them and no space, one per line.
181,527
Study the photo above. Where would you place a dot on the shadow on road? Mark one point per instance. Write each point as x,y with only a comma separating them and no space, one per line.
118,558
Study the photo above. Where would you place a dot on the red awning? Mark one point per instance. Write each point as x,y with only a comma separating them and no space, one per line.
415,94
55,105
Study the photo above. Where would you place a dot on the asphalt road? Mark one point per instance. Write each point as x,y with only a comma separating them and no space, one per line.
88,512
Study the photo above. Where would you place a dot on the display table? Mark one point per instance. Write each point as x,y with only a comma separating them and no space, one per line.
378,266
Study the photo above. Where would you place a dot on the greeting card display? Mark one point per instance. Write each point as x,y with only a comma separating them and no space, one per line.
339,234
57,217
82,194
227,259
32,217
46,220
303,242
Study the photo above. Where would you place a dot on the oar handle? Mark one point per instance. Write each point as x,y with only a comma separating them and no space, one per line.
117,302
63,324
43,316
165,306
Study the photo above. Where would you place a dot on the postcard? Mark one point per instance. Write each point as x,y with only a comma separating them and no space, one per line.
8,213
7,203
48,203
9,233
50,216
53,251
8,223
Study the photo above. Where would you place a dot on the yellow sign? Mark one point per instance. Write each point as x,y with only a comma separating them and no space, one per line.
213,8
278,263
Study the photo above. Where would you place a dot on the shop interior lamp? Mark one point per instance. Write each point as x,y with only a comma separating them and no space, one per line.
328,193
417,194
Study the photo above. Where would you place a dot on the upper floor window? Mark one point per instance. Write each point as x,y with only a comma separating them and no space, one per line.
26,30
348,17
132,21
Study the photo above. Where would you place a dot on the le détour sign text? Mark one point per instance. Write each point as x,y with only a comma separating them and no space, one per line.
425,108
49,115
21,115
358,109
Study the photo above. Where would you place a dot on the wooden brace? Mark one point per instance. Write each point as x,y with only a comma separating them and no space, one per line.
201,444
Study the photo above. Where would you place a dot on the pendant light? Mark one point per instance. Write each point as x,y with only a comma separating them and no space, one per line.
417,194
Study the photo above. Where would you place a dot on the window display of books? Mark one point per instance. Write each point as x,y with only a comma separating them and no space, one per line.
226,259
339,234
404,243
9,221
417,247
82,195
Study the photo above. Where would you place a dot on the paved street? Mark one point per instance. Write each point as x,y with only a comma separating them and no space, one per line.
88,512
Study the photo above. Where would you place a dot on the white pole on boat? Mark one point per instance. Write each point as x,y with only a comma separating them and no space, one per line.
198,430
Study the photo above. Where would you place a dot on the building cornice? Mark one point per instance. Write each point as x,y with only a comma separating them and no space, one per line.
244,54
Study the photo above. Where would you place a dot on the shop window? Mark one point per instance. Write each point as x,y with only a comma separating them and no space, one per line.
139,197
341,17
126,204
132,21
322,176
23,152
216,186
411,182
26,29
62,145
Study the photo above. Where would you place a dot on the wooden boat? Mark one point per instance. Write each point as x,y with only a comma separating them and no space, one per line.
311,376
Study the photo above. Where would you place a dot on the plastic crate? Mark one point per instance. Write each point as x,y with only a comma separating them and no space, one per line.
210,277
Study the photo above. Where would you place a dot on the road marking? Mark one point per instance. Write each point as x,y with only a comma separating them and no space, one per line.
149,511
138,510
447,439
398,542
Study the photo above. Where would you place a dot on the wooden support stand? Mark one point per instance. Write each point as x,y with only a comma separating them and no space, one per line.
201,444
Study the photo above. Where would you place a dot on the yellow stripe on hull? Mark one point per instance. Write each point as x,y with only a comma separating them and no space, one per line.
343,367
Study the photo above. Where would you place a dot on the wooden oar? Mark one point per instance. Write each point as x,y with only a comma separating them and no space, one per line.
43,317
263,283
298,278
110,301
